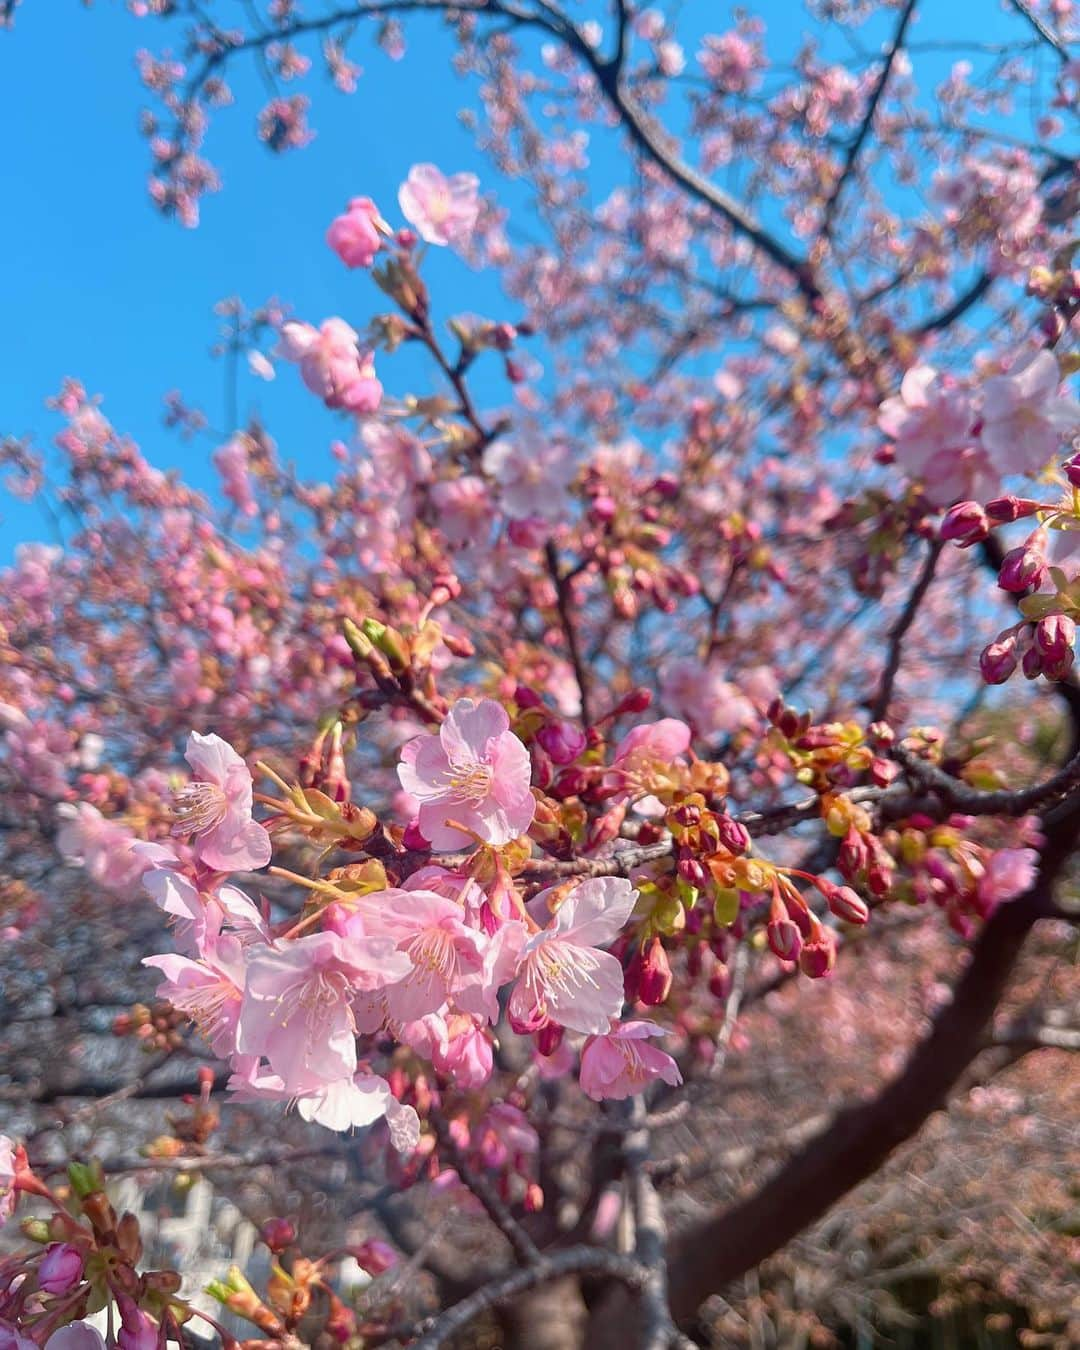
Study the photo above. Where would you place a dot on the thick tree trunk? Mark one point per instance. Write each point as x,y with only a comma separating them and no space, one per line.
859,1139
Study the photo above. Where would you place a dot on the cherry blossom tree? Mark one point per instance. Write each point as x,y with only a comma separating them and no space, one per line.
609,755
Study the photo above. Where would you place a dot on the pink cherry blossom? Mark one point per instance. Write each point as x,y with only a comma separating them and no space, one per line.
209,991
104,848
346,1103
474,773
1024,418
931,421
504,1137
467,1053
430,930
297,1006
354,235
621,1063
7,1176
352,1103
75,1336
533,475
702,695
332,365
442,210
215,807
199,917
660,741
463,509
1009,873
561,976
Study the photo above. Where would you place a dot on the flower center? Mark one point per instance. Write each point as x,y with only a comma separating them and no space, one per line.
561,967
469,782
199,807
432,953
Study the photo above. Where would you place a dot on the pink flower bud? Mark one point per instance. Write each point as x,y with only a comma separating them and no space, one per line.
854,855
965,523
734,837
374,1256
61,1268
818,955
1072,470
1032,664
548,1039
138,1330
278,1234
563,741
354,236
692,872
1055,637
654,983
1025,566
847,905
783,935
1003,510
636,701
998,660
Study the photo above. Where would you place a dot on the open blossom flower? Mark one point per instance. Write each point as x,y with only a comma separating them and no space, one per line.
346,1103
7,1176
533,475
442,210
621,1063
199,917
354,235
1024,418
215,807
75,1336
297,1009
332,365
700,693
931,422
209,991
466,1054
431,931
474,773
104,848
463,509
561,977
1009,873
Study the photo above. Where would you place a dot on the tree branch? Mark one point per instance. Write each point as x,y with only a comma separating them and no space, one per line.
524,1249
573,1261
855,148
879,708
564,602
859,1139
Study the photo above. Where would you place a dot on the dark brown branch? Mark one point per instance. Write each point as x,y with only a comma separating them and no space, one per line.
858,1139
855,148
1002,802
573,1261
879,708
524,1249
565,603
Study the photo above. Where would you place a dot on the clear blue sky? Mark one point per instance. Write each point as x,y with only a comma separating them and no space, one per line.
95,284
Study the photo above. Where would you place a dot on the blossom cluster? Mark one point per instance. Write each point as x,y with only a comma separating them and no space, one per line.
298,1009
960,440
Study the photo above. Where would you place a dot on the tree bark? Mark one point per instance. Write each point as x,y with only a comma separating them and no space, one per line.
858,1140
551,1317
